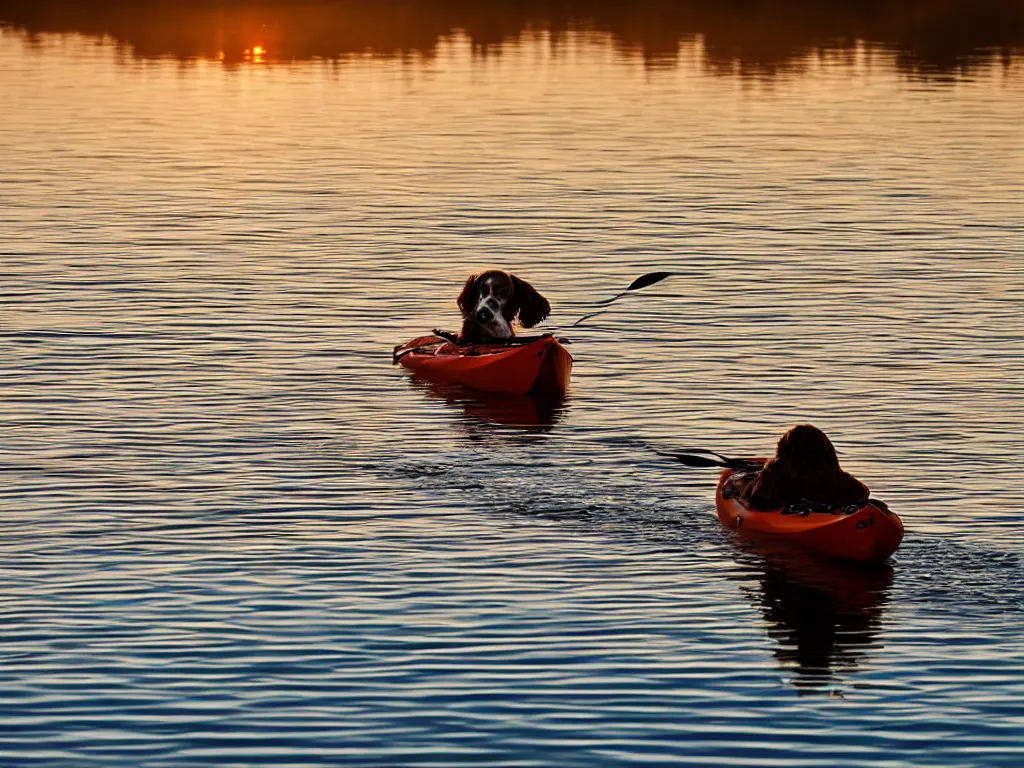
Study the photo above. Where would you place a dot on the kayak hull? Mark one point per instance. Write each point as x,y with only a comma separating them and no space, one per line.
868,535
541,368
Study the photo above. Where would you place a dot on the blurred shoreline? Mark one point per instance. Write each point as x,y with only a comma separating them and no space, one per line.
944,38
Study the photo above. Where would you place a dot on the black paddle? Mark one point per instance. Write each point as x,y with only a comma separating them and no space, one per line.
641,282
691,460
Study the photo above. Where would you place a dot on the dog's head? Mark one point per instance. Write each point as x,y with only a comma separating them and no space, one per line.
807,447
494,299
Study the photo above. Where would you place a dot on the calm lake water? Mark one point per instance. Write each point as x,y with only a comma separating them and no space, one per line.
234,534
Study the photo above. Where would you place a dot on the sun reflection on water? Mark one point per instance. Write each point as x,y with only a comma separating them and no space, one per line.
257,54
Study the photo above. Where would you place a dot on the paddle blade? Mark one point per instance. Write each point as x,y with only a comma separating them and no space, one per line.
696,461
641,282
690,460
649,279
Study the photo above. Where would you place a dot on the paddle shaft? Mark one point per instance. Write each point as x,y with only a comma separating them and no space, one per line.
641,282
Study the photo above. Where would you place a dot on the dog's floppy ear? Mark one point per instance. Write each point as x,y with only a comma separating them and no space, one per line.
533,307
467,299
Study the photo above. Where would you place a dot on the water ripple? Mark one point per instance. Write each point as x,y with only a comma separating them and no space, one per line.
235,534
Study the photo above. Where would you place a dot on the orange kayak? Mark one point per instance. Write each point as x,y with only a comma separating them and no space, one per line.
539,368
868,533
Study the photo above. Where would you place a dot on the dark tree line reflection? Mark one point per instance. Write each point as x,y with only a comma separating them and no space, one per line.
928,37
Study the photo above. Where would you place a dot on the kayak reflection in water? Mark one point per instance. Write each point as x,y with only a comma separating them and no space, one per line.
805,468
494,407
825,615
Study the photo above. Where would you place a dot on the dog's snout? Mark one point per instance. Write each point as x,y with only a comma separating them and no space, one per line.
484,315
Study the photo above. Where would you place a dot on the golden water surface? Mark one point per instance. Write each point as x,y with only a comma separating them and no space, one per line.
235,534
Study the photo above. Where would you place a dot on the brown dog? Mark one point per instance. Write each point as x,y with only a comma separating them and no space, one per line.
492,300
805,468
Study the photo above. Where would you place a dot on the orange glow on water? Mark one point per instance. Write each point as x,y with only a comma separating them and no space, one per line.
256,54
